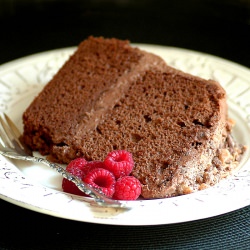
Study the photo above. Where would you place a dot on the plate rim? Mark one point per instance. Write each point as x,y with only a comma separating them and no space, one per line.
104,220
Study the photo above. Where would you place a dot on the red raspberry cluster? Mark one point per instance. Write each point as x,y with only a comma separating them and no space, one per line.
112,176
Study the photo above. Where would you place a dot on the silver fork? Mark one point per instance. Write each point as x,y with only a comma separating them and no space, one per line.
11,146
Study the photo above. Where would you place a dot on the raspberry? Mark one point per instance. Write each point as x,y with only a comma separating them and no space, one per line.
75,167
119,162
90,165
102,179
80,168
127,188
102,175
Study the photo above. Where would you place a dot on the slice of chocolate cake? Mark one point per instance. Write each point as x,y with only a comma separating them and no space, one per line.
110,96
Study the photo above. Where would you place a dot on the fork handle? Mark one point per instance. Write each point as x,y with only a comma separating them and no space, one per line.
97,195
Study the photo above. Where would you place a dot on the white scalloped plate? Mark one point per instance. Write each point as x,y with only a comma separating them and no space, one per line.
38,188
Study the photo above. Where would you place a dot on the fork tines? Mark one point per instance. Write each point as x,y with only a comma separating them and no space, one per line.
5,140
9,134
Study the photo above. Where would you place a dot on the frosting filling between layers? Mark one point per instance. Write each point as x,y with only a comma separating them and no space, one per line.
108,98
